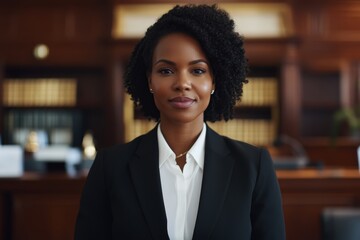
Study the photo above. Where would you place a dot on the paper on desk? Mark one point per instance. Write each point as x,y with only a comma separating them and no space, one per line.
58,154
11,161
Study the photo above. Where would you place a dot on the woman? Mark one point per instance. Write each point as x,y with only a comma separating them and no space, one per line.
182,180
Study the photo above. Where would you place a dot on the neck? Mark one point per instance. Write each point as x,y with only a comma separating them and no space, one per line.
181,137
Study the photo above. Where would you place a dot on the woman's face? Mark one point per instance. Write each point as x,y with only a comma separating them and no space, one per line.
181,79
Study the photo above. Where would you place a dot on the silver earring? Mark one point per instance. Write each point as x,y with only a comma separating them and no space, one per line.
151,90
212,92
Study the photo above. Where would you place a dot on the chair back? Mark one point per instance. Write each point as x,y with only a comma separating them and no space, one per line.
341,224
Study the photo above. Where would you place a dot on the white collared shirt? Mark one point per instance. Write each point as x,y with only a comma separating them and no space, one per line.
181,190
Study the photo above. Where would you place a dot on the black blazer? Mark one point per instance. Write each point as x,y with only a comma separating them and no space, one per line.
240,196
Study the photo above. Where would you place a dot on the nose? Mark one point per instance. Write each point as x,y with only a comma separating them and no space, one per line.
182,82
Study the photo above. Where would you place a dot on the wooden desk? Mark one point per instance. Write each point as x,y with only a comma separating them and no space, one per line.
39,206
307,192
45,206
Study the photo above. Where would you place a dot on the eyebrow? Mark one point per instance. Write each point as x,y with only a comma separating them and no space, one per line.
174,64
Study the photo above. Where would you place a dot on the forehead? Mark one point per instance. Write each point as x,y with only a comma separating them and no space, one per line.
178,46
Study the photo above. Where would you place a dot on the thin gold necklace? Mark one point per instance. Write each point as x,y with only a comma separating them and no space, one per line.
180,155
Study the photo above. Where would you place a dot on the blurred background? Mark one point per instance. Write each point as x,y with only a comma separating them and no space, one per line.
62,99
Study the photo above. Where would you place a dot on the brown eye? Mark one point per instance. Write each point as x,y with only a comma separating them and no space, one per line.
198,71
165,71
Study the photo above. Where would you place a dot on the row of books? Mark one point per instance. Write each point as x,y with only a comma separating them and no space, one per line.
59,126
257,132
40,118
39,92
260,92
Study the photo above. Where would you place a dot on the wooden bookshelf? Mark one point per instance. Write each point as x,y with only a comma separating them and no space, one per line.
316,64
51,100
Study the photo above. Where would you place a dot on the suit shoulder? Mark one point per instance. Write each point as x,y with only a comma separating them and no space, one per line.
238,149
124,149
247,153
236,145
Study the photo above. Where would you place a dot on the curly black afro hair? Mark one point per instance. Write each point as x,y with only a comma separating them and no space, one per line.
223,47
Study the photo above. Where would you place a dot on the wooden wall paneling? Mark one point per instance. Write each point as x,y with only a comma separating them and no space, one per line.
52,23
266,52
328,31
33,24
119,54
341,21
7,24
74,33
300,19
121,49
112,102
115,96
290,93
327,20
349,84
58,24
343,156
91,89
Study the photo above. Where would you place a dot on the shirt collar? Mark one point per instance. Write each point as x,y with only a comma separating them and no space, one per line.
197,151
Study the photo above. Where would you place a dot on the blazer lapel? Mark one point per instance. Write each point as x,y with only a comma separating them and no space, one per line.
144,170
217,174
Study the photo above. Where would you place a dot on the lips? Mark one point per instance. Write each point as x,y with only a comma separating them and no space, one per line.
181,102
